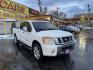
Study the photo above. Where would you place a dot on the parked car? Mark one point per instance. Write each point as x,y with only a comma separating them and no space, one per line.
43,38
72,29
79,26
66,28
75,29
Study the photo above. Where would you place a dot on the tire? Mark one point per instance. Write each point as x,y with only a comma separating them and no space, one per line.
67,55
37,52
16,40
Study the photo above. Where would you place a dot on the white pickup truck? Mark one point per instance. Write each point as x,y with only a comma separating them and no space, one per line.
43,38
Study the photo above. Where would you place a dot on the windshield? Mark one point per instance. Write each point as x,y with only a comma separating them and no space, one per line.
40,26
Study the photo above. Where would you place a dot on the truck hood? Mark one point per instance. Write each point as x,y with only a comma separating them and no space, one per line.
54,33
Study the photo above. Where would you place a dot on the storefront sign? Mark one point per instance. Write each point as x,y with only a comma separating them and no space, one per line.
11,15
14,7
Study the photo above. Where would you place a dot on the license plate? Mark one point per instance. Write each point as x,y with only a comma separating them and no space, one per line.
67,51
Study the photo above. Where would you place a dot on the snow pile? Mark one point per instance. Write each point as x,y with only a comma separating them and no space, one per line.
88,28
6,37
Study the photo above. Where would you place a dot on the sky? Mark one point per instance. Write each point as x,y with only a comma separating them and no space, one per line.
70,7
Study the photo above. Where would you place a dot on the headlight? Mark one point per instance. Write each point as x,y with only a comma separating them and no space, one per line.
48,40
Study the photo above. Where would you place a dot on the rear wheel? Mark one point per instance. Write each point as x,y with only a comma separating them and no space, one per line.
37,51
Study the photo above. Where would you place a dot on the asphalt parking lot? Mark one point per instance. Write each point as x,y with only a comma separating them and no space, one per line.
14,58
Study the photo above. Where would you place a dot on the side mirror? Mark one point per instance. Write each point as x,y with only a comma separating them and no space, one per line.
29,30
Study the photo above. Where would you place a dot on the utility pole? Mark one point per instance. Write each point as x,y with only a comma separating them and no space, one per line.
40,6
57,11
89,10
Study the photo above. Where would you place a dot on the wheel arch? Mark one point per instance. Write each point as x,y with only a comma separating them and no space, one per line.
35,41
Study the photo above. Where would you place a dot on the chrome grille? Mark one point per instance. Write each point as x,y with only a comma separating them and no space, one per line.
65,39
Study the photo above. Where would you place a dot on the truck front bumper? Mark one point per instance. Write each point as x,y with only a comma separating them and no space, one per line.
55,50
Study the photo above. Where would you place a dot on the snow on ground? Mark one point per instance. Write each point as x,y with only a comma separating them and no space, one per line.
6,37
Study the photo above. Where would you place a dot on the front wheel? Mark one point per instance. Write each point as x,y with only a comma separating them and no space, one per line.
37,51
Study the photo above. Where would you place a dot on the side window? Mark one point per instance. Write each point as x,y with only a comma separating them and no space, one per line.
18,24
25,26
21,25
13,25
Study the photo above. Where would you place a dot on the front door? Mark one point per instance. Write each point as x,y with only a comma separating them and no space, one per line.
27,33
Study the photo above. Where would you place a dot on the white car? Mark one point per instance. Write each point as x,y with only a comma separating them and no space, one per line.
43,38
